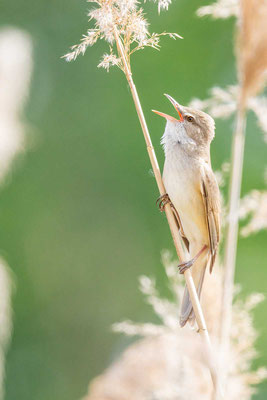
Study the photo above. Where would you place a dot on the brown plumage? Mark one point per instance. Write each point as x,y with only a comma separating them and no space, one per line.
211,198
192,188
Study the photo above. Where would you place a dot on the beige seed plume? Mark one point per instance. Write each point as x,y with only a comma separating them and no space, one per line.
15,74
252,46
254,206
132,27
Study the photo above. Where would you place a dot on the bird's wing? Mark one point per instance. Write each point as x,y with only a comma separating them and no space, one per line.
211,198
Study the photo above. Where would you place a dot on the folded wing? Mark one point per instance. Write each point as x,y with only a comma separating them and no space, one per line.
211,198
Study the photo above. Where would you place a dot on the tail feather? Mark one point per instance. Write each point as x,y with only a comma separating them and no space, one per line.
187,312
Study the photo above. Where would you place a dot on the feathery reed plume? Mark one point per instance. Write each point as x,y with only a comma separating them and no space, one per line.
168,362
131,27
252,47
162,4
254,206
122,24
15,67
220,9
251,51
222,103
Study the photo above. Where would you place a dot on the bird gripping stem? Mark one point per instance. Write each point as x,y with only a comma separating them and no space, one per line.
169,214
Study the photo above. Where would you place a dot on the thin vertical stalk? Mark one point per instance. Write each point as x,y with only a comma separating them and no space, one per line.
170,217
237,157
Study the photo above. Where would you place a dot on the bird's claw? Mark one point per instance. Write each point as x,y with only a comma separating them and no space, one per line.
162,201
188,264
184,266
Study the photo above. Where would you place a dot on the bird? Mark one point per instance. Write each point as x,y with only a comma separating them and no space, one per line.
192,191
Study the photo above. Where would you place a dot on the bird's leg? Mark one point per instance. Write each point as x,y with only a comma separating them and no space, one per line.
188,264
162,201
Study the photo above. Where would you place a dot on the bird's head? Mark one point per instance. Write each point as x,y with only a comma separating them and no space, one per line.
193,126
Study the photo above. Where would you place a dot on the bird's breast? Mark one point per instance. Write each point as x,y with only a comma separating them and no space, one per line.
182,180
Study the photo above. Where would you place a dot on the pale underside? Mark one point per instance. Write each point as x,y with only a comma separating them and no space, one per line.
182,180
193,191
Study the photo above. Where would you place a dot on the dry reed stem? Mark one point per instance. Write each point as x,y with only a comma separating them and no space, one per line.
171,220
252,65
238,145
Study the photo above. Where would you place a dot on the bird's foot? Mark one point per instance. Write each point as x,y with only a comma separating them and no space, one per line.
188,264
162,201
185,265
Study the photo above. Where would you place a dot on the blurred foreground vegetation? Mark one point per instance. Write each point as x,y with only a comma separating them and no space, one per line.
78,216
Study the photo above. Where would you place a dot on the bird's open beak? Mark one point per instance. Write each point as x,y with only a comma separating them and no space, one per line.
177,108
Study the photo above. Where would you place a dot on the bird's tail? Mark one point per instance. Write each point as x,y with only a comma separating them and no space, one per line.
198,273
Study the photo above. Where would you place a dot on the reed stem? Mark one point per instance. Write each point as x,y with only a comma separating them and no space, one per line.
171,219
237,157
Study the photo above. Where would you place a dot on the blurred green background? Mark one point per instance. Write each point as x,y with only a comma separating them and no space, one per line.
78,217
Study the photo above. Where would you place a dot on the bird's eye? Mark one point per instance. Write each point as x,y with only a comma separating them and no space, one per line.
189,118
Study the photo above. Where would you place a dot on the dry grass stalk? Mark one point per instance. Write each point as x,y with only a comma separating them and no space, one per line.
252,64
238,145
251,50
170,217
122,23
